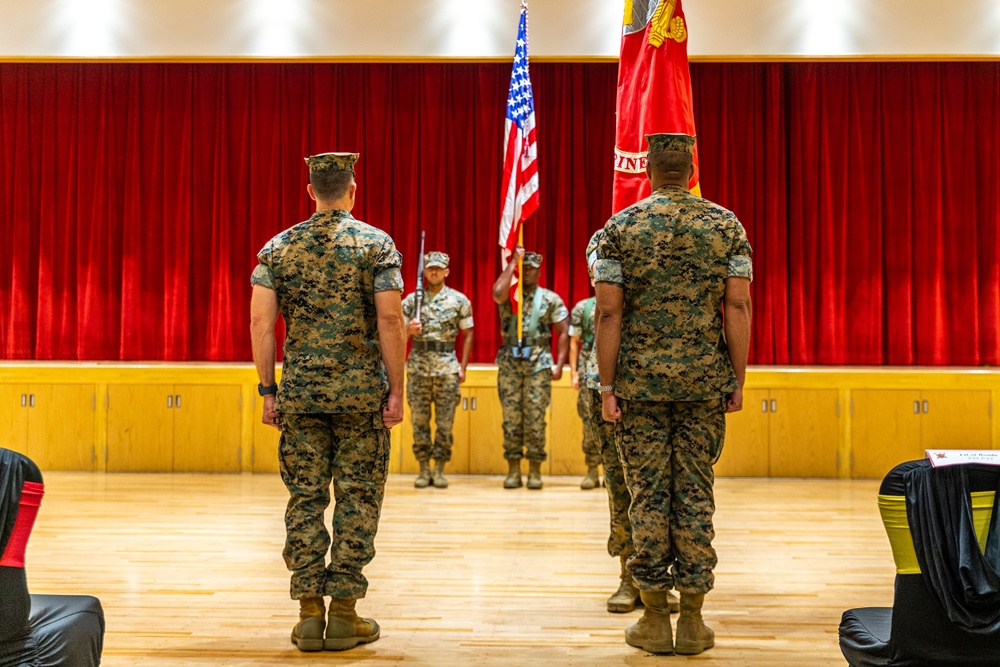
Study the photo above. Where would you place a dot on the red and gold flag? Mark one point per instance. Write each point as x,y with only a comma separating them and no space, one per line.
654,92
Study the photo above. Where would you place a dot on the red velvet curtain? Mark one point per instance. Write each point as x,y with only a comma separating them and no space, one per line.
134,197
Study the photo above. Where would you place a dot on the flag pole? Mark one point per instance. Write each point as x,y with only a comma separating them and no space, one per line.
520,289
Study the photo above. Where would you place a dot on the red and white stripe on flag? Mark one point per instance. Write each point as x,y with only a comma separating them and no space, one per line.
520,163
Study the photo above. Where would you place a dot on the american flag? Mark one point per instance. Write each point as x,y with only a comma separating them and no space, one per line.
520,165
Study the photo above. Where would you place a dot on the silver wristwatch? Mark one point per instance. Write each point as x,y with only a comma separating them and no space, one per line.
605,388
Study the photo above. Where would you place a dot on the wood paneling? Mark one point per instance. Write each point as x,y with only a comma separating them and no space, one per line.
14,417
485,432
61,426
206,428
885,431
564,435
955,419
803,433
745,453
140,428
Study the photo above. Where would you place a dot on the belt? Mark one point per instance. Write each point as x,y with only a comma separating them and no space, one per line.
541,341
432,346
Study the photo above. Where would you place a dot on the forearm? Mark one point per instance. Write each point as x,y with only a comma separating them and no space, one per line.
263,345
737,329
574,352
563,349
466,348
392,344
501,288
608,341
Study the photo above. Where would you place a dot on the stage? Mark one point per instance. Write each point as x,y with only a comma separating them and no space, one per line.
189,570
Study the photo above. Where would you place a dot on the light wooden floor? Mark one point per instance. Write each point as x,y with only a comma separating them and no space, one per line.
189,571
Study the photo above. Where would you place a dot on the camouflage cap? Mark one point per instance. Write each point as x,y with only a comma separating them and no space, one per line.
436,258
532,259
592,249
331,162
679,143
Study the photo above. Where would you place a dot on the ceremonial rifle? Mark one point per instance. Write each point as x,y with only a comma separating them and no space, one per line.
420,279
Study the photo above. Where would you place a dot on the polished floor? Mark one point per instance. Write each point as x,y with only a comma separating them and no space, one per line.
189,570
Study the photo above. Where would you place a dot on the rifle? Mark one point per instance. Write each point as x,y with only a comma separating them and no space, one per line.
420,279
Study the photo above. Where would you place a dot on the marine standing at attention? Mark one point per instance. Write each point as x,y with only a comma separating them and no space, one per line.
433,372
336,282
673,279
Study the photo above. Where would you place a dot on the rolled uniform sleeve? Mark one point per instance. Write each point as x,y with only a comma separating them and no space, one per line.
740,264
576,321
608,267
557,311
465,315
387,274
262,274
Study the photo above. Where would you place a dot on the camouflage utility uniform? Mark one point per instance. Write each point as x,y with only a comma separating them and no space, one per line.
581,325
326,272
525,386
432,369
671,253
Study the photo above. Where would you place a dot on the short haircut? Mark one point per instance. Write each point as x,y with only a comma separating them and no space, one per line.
331,184
671,164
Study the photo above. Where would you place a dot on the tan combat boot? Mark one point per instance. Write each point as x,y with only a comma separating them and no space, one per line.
307,634
592,480
513,480
693,636
624,599
423,479
534,474
652,632
345,629
437,476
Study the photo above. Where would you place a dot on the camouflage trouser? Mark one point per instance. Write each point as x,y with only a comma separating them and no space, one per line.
667,450
524,396
619,498
352,450
591,449
443,391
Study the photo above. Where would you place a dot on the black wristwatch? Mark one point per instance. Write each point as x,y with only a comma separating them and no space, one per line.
264,391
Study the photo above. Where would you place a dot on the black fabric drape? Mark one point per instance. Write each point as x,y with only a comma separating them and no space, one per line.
964,580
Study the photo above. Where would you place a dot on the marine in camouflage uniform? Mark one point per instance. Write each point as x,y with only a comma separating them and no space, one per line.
433,372
323,276
581,337
525,383
603,433
667,265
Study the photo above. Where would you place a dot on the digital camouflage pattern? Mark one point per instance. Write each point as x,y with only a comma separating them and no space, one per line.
331,162
525,395
352,452
553,310
667,450
442,316
672,253
581,325
326,272
525,386
678,143
436,258
619,498
532,259
444,393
